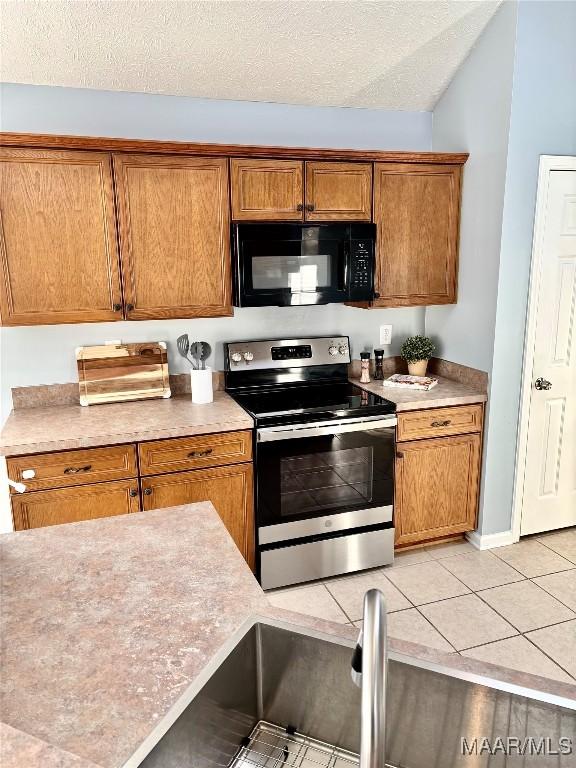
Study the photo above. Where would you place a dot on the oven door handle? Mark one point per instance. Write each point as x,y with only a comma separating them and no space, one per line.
334,428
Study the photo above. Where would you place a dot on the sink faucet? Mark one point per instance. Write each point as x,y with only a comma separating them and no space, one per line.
369,671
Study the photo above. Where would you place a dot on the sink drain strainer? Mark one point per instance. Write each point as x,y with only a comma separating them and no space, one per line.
270,746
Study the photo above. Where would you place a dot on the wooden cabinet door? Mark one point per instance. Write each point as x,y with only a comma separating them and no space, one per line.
338,191
228,488
58,251
436,487
69,505
267,190
174,236
416,210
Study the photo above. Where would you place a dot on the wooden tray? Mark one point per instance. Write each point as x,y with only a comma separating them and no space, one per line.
113,373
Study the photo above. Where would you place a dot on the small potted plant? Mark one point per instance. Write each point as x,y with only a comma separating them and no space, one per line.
417,350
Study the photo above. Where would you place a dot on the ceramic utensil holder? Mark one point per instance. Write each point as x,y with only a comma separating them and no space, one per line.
201,386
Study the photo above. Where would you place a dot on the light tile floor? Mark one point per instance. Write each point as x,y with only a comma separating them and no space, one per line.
513,606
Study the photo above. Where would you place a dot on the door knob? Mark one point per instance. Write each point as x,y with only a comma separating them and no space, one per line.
542,384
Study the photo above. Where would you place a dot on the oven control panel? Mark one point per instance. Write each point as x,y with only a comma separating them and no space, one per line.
299,352
287,353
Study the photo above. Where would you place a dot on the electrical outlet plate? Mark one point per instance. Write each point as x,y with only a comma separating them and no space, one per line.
385,334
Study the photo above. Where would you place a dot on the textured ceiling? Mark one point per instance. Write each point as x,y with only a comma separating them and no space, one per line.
390,55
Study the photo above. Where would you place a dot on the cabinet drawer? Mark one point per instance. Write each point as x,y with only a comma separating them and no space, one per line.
70,505
177,454
67,468
439,422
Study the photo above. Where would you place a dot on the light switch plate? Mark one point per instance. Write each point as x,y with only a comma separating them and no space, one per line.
385,334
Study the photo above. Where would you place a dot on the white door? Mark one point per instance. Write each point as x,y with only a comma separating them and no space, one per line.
549,498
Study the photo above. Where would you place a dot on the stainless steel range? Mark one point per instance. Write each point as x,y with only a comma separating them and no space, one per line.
324,459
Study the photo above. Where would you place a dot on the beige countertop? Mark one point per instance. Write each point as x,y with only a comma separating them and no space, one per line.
60,427
447,392
107,623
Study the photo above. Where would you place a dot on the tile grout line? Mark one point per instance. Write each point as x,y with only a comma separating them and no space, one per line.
337,603
553,550
570,567
551,658
470,590
436,628
522,631
510,637
550,593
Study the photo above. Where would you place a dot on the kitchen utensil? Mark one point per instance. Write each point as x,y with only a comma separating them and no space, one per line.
112,373
183,344
196,352
206,352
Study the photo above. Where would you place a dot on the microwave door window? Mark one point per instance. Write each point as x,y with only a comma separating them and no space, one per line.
293,273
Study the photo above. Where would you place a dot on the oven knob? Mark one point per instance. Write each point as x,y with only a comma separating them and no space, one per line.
248,356
343,349
236,357
333,350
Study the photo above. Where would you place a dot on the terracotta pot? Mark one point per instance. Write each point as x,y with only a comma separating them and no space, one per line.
418,368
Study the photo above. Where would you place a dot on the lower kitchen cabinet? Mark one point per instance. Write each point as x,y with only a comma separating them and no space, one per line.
70,505
437,484
228,488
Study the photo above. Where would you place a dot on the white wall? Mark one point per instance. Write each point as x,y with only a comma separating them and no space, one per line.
46,109
473,115
45,355
543,122
512,100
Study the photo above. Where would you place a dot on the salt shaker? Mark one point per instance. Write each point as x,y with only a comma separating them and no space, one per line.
364,367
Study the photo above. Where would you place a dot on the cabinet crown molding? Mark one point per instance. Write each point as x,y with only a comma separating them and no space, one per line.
105,144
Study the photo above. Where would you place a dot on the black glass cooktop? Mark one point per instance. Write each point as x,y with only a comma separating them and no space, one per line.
312,402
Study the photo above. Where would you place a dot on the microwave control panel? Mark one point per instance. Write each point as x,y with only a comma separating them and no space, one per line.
361,265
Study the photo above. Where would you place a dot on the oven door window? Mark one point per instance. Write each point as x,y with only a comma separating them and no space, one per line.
295,270
311,477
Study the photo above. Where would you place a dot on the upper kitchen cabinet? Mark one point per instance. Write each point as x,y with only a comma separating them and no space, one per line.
416,210
338,191
58,252
267,190
174,223
293,190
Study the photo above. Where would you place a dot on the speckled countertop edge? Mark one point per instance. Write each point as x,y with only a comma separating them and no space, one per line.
66,427
231,597
445,394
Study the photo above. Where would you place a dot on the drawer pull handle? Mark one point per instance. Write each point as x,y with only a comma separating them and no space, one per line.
147,491
200,454
75,470
441,423
133,493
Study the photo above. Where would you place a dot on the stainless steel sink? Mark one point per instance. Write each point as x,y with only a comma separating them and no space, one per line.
278,677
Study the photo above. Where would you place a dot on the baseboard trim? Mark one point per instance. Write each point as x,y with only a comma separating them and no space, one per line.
490,540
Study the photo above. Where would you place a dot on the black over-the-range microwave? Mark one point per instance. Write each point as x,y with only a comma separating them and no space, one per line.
297,264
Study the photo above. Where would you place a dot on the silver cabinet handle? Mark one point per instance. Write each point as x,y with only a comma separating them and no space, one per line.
441,423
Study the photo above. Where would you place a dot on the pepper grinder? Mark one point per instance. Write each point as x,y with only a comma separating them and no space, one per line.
379,362
365,367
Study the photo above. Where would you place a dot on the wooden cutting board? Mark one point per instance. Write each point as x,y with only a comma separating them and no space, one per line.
113,373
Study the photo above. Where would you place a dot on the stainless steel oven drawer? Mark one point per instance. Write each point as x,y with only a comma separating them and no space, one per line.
313,526
328,557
